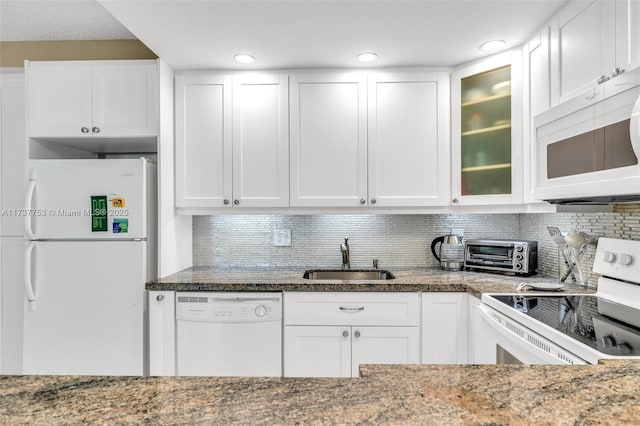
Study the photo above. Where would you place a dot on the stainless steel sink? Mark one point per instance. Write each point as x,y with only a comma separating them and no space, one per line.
341,274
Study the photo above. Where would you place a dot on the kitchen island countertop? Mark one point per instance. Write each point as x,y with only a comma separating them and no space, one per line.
608,393
419,279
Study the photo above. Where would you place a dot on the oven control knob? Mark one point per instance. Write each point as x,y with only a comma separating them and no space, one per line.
518,265
260,310
609,257
518,256
625,259
519,248
608,341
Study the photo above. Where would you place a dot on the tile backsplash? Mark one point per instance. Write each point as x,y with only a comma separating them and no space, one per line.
395,240
398,241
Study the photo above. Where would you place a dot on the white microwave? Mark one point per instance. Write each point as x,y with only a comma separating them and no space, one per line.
588,148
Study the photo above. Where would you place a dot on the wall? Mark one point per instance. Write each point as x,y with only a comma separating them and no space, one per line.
14,53
396,240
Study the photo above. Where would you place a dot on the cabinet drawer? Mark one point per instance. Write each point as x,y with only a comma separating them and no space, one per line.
390,309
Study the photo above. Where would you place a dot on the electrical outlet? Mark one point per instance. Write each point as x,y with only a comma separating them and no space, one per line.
282,237
457,231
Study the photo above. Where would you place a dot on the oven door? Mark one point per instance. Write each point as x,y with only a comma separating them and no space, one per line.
511,343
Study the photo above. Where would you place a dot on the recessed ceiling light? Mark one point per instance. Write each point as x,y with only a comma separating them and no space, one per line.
367,57
243,58
491,46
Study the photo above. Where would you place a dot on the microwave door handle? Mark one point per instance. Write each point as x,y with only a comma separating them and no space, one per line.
28,204
28,278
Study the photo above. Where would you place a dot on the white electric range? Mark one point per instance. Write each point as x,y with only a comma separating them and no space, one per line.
560,328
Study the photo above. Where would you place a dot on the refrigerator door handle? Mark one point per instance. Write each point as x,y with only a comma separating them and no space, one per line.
28,283
28,202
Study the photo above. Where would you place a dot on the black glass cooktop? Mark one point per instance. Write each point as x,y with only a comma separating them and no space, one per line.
606,326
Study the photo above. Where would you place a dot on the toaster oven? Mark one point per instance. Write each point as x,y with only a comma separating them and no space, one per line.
519,257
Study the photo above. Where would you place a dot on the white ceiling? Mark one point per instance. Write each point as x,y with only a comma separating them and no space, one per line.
31,20
193,34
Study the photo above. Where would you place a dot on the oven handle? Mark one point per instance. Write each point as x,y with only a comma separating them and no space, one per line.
521,342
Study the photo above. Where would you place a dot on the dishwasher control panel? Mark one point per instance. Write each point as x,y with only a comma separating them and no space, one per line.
229,307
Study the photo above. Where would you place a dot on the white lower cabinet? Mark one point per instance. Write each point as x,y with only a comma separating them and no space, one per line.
384,345
162,333
444,328
334,351
317,351
331,334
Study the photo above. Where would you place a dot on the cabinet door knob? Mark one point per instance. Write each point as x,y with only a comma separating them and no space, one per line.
603,78
84,130
236,202
455,200
373,201
160,297
226,201
95,130
357,334
362,201
345,333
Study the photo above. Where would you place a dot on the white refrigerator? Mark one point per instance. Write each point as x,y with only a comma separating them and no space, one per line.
90,228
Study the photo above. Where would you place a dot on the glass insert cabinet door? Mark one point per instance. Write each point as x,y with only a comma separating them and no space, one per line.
485,132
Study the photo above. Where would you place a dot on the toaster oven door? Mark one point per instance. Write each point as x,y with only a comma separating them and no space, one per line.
494,256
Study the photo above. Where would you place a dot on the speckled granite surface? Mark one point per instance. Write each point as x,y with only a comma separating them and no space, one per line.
476,283
444,395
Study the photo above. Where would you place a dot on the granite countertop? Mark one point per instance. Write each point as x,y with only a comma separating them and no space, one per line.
608,393
419,279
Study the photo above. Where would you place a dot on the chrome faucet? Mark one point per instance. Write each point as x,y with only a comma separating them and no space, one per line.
344,248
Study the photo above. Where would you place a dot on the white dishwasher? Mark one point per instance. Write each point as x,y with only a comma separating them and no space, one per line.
229,334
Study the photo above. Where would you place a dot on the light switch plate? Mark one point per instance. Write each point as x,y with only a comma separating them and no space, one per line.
282,238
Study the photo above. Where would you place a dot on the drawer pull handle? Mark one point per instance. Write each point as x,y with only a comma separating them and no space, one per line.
361,308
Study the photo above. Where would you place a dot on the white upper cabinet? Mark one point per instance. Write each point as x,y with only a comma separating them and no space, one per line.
260,141
537,99
408,139
486,148
232,141
379,139
203,141
124,100
627,24
592,42
328,140
110,99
